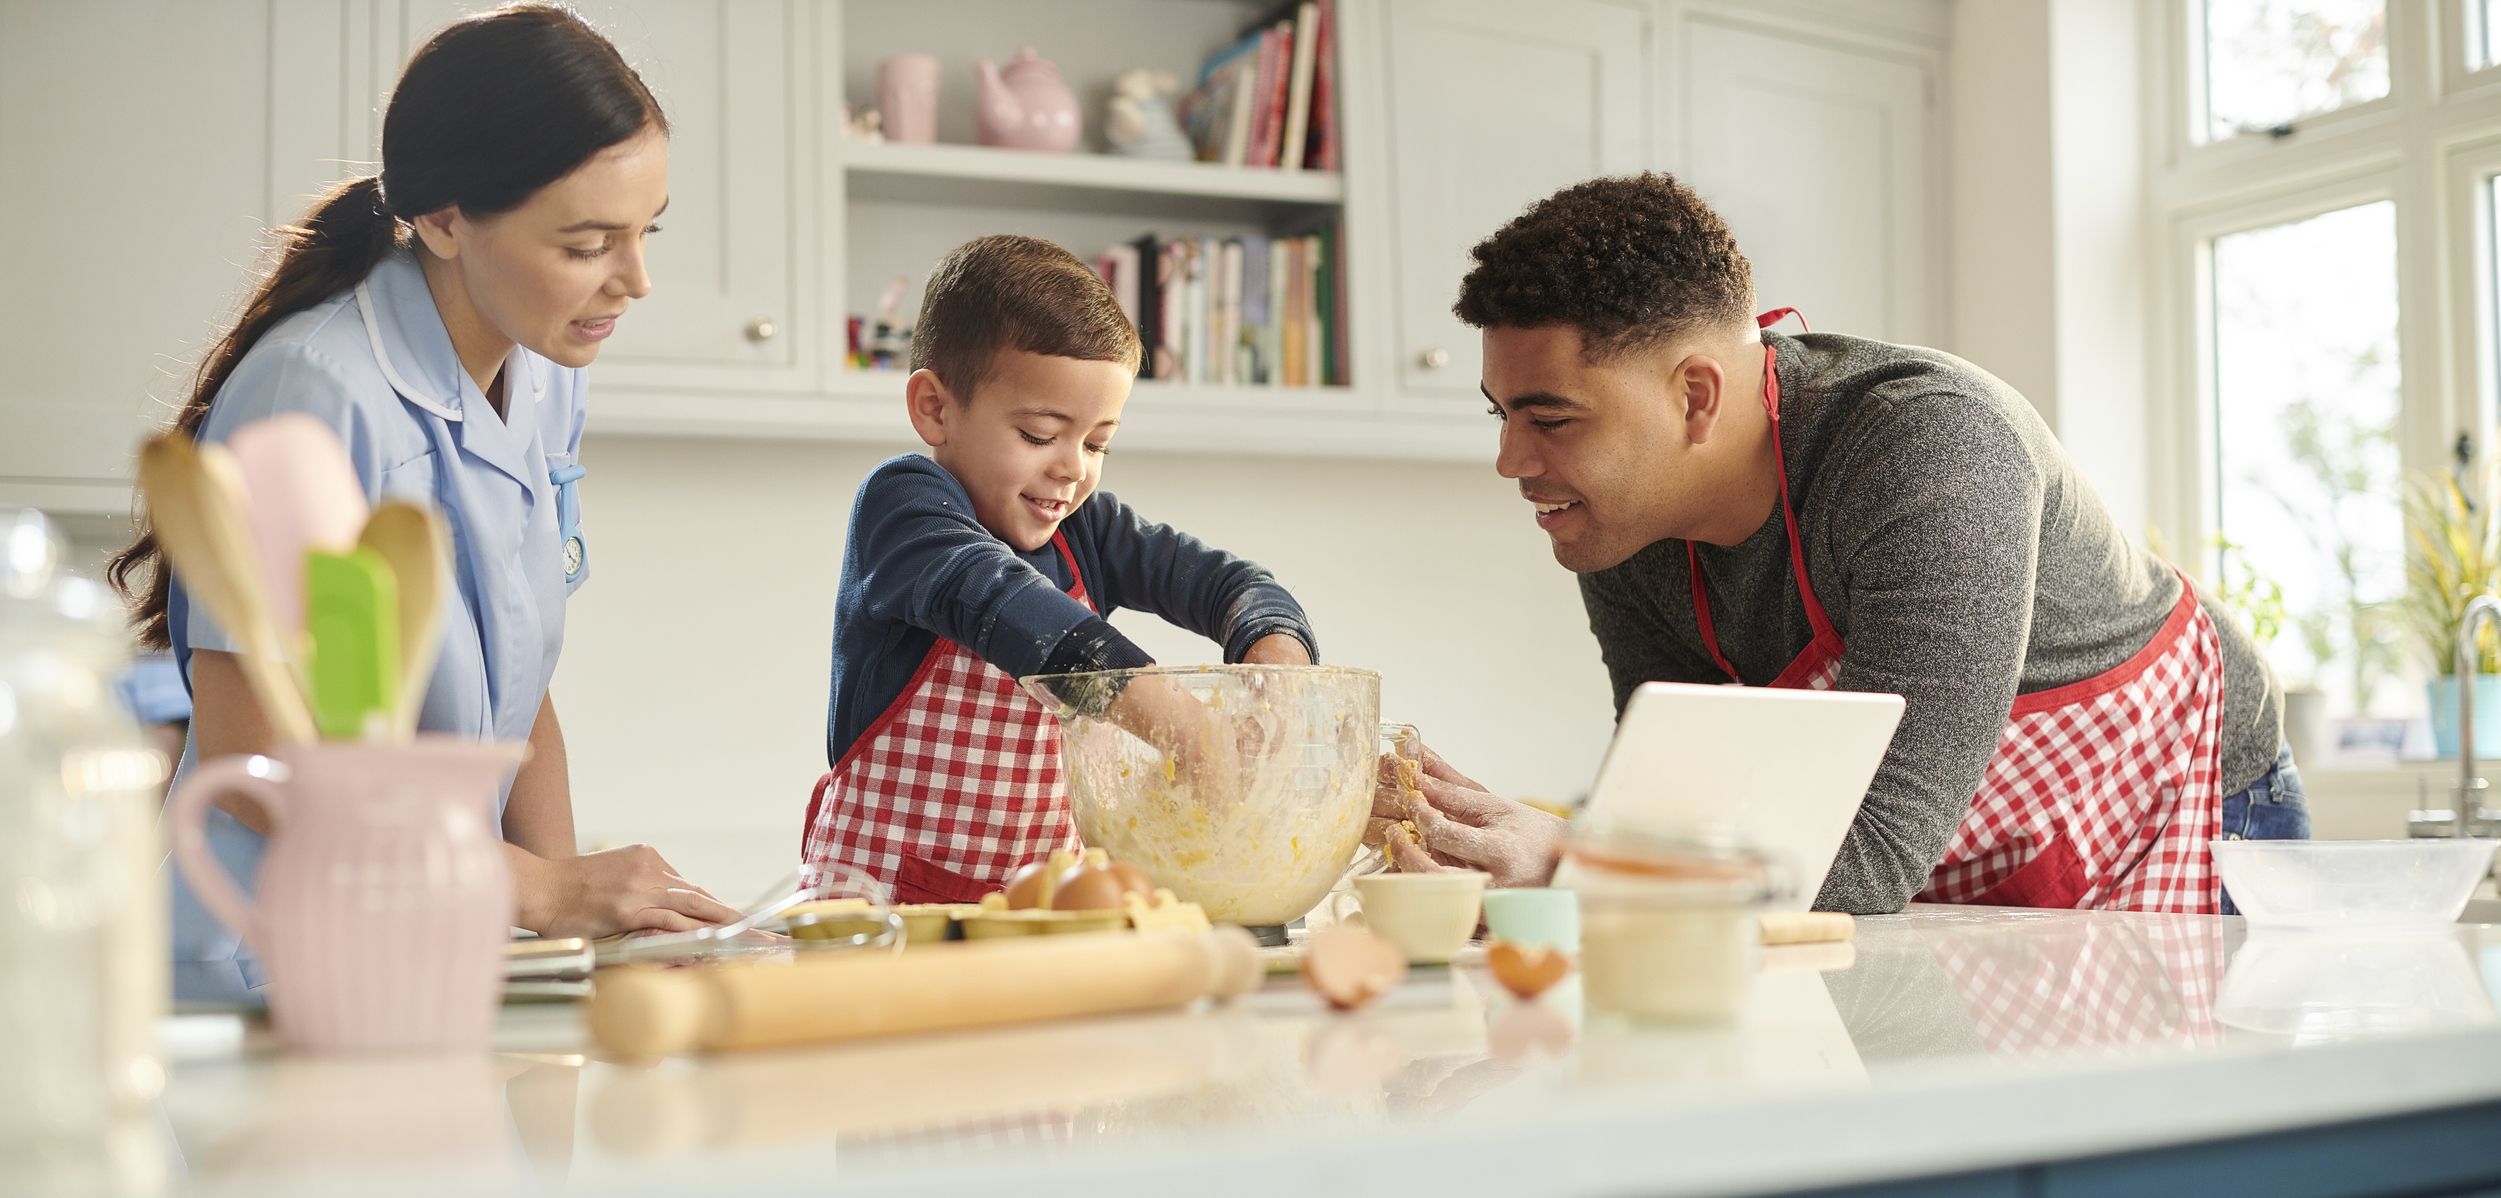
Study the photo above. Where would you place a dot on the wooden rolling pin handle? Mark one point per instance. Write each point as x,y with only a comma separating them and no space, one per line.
1806,927
643,1012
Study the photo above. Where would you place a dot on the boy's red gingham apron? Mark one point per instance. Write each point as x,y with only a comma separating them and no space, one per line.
2102,793
956,784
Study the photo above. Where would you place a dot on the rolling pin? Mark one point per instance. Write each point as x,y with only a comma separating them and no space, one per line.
1806,927
644,1011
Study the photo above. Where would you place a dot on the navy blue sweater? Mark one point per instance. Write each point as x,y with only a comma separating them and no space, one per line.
917,566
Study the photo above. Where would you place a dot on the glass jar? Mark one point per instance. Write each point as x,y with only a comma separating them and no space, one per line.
1667,919
83,969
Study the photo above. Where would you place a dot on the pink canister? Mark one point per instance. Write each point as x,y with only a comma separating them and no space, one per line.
384,899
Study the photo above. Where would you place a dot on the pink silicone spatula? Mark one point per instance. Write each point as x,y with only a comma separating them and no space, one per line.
305,496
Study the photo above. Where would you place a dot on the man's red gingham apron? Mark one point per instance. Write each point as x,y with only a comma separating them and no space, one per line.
2102,793
956,784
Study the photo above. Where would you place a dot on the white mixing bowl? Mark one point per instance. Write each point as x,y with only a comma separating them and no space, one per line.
2352,883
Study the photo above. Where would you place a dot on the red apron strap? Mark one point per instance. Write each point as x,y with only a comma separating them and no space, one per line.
1077,592
1788,515
1815,617
1768,319
1702,614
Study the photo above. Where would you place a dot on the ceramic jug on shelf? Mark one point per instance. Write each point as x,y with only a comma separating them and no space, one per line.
1024,105
384,900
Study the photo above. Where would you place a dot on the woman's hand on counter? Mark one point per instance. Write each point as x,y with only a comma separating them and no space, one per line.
1464,825
600,894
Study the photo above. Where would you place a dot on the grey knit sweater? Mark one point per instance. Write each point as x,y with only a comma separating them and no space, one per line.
1963,560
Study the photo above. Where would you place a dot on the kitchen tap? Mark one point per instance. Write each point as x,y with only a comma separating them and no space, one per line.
2470,787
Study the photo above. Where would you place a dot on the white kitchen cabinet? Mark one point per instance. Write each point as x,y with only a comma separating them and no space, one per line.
131,194
1493,106
734,307
1823,157
1812,124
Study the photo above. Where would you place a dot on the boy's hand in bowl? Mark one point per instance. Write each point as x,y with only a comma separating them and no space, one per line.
1199,745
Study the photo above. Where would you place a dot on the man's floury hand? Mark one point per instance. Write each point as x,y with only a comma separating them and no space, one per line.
1465,826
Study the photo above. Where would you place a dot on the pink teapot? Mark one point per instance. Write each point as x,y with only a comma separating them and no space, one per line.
1025,106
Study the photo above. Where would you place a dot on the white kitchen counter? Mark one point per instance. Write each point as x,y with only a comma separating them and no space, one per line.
1958,1040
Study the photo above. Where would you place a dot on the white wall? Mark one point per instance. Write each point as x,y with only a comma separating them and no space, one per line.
2050,289
1998,152
693,684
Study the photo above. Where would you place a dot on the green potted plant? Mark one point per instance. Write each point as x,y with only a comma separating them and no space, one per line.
2257,601
2456,556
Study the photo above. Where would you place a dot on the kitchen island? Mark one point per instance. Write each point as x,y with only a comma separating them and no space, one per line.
1977,1051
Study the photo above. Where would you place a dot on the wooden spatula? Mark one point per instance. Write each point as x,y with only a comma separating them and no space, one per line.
413,540
191,504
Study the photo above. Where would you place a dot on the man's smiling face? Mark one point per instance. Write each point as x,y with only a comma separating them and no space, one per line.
1598,448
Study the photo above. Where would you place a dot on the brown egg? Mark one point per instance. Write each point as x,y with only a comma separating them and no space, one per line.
1352,966
1024,887
1098,884
1132,879
1527,970
1087,889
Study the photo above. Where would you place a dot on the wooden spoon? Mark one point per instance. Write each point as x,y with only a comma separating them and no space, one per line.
190,494
413,540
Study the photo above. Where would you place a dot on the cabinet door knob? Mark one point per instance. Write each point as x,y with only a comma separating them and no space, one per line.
761,329
1434,358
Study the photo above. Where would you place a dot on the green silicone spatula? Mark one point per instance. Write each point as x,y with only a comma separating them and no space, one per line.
412,538
351,611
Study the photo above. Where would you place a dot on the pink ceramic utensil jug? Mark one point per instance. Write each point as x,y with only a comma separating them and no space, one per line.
384,902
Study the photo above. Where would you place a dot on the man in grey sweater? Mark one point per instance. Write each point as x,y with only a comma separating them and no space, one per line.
1953,548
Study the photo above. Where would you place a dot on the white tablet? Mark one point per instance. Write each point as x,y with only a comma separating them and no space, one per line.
1785,769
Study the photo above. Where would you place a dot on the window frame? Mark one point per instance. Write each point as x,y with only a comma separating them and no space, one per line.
2462,28
2196,234
2190,132
2429,145
2469,172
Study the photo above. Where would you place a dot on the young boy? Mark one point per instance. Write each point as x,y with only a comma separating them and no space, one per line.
996,558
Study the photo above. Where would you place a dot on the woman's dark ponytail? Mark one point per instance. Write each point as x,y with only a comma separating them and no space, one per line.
488,111
332,249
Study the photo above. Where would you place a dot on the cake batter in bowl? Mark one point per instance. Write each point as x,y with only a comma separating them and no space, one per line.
1257,840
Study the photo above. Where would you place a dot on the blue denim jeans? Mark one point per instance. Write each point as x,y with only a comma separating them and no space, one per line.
2271,809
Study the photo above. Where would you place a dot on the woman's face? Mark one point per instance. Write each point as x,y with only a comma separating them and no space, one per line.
554,274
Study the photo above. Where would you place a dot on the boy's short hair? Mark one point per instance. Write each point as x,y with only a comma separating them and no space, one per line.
1010,292
1632,261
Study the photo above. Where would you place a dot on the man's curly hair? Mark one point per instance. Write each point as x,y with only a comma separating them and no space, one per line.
1632,261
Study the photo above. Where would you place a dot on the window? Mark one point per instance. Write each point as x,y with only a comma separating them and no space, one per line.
2306,390
2329,333
2268,62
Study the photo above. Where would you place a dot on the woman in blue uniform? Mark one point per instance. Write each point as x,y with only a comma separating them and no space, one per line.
439,315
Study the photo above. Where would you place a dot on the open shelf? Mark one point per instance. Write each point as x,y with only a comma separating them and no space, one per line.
867,407
888,384
1090,173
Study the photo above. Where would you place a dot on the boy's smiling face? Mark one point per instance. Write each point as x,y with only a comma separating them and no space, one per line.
1029,446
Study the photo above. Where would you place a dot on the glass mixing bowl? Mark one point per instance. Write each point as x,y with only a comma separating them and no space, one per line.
1253,813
